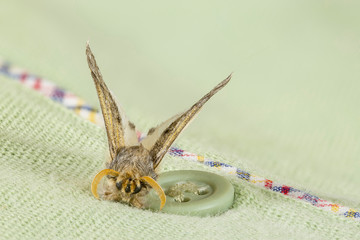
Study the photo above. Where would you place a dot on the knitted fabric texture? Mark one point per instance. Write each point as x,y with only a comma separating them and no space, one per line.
75,103
49,156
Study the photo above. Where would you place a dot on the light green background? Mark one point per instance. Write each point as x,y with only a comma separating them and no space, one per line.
291,112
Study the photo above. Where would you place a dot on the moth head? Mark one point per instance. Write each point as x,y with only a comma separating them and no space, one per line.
128,185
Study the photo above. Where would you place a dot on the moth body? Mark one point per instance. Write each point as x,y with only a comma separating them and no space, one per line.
131,170
132,163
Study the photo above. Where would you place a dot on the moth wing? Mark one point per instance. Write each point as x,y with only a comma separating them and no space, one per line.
165,134
130,136
155,133
120,131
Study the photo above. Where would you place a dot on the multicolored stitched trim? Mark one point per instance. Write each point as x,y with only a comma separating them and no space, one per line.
78,105
269,184
50,90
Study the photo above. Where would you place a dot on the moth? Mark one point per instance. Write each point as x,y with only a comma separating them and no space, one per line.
132,168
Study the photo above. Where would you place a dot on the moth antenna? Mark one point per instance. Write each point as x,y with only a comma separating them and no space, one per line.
160,192
98,178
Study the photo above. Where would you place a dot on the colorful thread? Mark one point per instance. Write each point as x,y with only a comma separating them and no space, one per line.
50,90
78,105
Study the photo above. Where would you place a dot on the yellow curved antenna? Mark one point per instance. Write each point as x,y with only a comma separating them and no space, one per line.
157,188
98,178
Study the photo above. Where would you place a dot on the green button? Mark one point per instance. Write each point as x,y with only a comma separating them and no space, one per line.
195,193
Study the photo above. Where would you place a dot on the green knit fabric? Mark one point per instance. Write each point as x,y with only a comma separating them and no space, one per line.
49,156
289,114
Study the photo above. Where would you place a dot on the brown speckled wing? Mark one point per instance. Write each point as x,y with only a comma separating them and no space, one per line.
155,133
168,136
119,131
